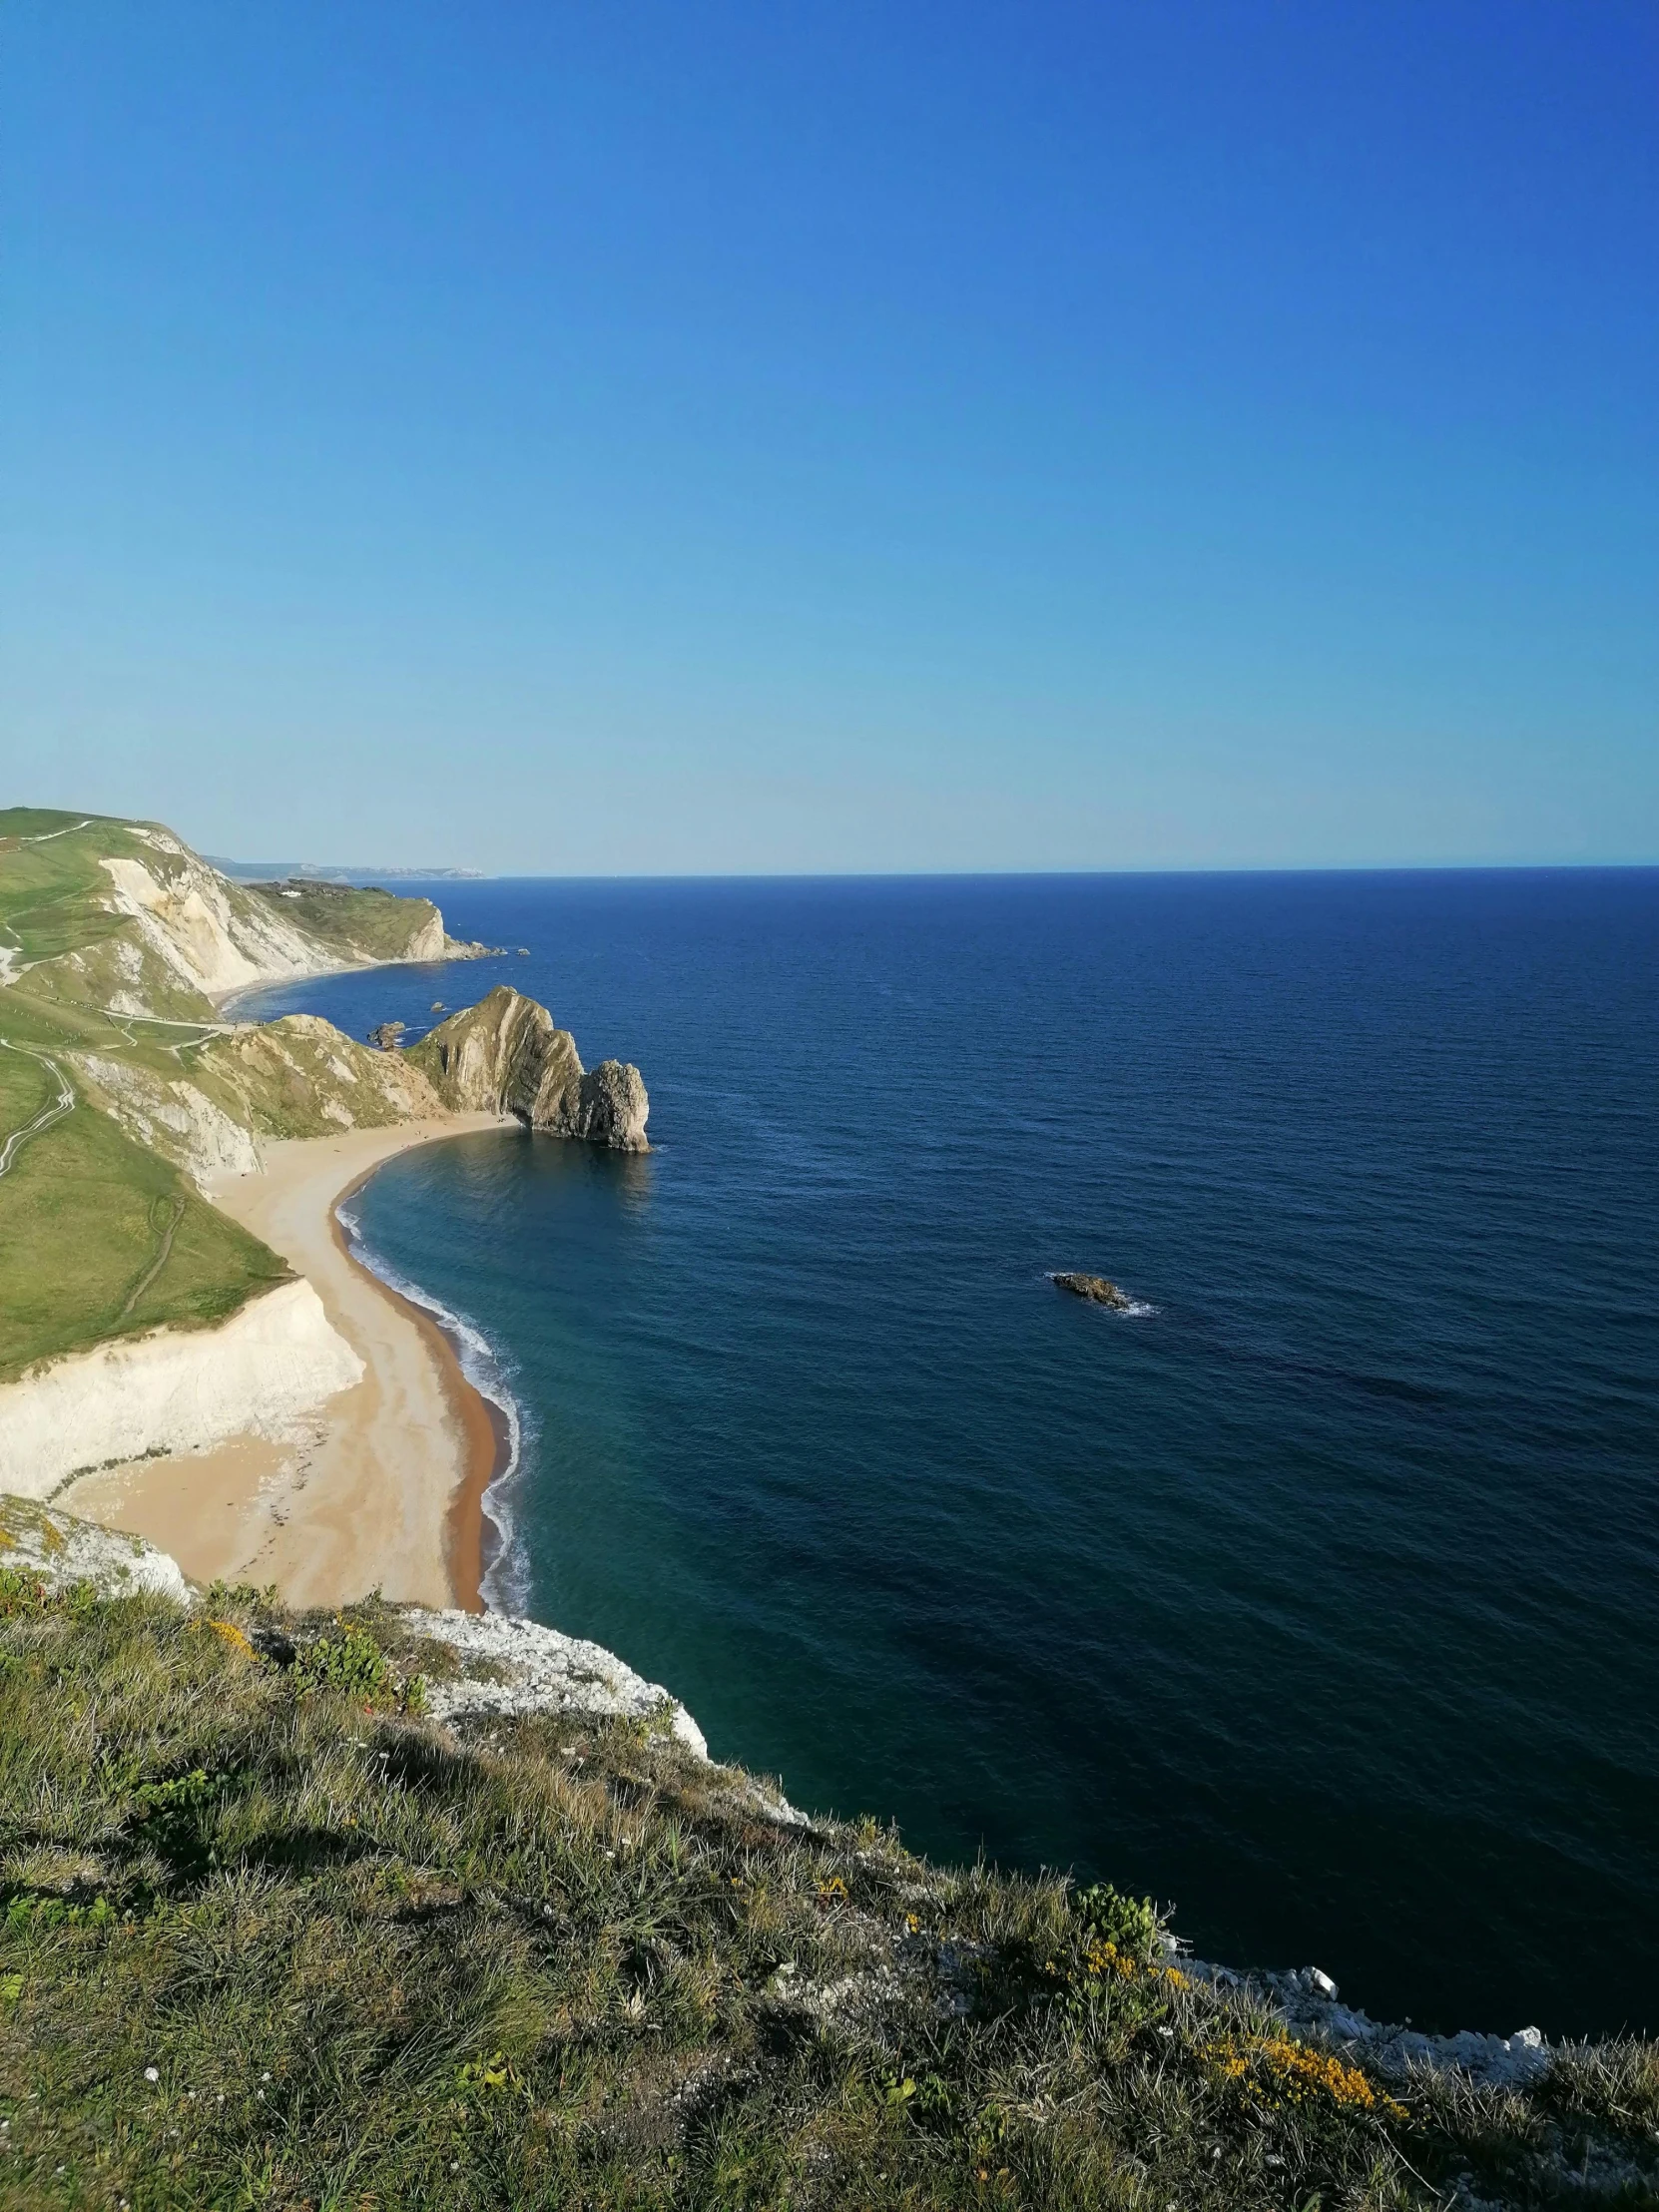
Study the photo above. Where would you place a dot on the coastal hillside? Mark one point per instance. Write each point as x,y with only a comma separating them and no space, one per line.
122,1082
137,1317
353,1909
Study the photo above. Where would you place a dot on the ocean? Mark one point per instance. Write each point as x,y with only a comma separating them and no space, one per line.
1318,1595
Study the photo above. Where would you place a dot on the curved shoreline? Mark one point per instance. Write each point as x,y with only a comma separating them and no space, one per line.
488,1443
381,1485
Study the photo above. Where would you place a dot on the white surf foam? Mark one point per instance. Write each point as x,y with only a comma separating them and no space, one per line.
505,1585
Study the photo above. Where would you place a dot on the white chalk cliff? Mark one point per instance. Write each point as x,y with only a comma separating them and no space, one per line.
172,1390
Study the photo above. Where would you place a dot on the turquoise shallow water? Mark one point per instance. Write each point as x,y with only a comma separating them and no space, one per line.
1323,1598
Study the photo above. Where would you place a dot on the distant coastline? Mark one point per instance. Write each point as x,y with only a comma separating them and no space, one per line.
272,872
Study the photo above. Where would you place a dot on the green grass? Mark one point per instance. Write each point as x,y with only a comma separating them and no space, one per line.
49,892
83,1213
25,1088
372,1965
368,921
100,1236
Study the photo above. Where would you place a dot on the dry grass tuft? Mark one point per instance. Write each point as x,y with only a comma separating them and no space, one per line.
270,1939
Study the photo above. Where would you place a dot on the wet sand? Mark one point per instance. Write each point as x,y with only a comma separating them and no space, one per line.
383,1485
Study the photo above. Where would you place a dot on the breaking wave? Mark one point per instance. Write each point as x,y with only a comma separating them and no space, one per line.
504,1582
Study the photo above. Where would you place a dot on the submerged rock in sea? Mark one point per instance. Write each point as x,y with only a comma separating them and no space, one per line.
1096,1290
506,1055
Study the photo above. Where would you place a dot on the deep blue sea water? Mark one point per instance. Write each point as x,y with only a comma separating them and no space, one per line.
1323,1598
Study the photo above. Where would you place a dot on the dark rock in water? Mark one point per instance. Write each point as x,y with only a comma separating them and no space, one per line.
438,1005
386,1034
1096,1290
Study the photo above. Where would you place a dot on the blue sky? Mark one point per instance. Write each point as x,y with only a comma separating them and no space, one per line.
721,438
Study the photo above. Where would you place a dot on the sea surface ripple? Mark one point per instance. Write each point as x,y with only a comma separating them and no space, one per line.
1322,1595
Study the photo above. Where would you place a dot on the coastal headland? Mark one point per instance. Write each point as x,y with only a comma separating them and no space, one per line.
188,1346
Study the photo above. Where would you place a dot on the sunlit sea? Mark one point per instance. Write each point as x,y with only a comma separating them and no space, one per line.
1318,1595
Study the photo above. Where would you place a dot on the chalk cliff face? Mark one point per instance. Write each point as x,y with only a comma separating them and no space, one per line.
202,932
506,1055
173,1390
187,917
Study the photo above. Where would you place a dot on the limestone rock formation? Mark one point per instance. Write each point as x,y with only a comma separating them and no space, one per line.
506,1055
1096,1290
387,1035
508,1665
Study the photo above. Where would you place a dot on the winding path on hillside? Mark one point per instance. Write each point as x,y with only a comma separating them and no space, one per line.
55,1110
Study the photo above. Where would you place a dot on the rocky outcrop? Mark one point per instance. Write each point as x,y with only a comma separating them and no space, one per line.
1095,1289
1308,2000
62,1552
506,1055
500,1665
385,1036
522,1667
172,1390
611,1106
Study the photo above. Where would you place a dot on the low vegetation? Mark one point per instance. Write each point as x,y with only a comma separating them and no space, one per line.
356,922
270,1937
100,1238
101,1235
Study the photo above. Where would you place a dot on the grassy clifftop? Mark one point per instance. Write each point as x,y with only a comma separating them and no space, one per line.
358,922
115,944
100,1237
270,1937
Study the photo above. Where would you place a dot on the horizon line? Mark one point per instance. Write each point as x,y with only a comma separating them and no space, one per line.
461,876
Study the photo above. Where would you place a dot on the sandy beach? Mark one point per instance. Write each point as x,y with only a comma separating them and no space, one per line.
383,1485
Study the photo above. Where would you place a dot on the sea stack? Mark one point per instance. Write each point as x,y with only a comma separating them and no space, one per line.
506,1055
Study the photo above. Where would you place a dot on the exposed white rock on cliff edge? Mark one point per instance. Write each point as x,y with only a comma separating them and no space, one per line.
208,935
531,1669
172,1390
63,1552
191,925
504,1666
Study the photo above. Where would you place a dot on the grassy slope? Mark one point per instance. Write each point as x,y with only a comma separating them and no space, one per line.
281,1079
373,1963
355,922
83,1213
85,1210
48,890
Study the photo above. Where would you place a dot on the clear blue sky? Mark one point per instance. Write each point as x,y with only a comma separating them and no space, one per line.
646,437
